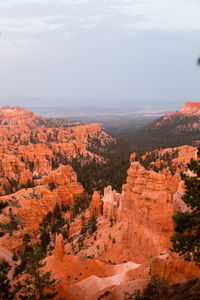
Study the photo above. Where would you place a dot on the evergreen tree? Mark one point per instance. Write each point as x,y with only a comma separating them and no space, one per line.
57,212
93,224
45,239
5,288
38,284
26,239
2,206
186,240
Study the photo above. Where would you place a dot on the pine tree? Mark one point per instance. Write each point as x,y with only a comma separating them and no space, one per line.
38,284
45,239
2,206
93,224
186,240
57,212
5,287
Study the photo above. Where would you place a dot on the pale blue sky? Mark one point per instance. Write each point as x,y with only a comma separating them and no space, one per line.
140,50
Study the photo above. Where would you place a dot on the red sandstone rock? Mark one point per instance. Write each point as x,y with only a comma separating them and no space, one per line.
174,269
59,247
148,209
112,204
133,157
184,155
34,203
96,205
68,215
10,115
191,109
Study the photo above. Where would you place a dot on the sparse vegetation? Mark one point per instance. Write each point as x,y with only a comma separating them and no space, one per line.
52,186
11,225
104,295
37,282
6,291
186,240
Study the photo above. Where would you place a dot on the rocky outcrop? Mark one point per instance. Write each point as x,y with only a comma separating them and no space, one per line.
173,159
32,204
59,247
148,209
190,109
10,115
96,205
61,176
174,269
112,204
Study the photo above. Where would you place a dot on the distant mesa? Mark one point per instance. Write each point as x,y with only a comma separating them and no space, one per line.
191,109
12,115
173,129
17,116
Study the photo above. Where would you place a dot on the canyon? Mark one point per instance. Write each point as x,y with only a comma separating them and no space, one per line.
31,147
131,238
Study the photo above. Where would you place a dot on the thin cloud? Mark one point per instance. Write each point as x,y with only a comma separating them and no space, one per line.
30,25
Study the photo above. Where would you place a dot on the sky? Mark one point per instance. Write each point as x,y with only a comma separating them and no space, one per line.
100,50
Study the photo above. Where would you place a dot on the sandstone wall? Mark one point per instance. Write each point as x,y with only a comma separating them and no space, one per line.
148,209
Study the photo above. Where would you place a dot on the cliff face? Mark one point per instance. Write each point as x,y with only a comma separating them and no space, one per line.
150,201
148,210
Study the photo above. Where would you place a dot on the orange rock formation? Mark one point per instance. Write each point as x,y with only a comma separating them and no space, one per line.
32,204
148,210
96,205
10,115
59,247
112,204
190,109
30,146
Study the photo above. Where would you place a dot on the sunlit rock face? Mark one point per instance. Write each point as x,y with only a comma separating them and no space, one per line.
11,115
174,269
150,201
190,109
148,209
112,204
59,247
96,205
